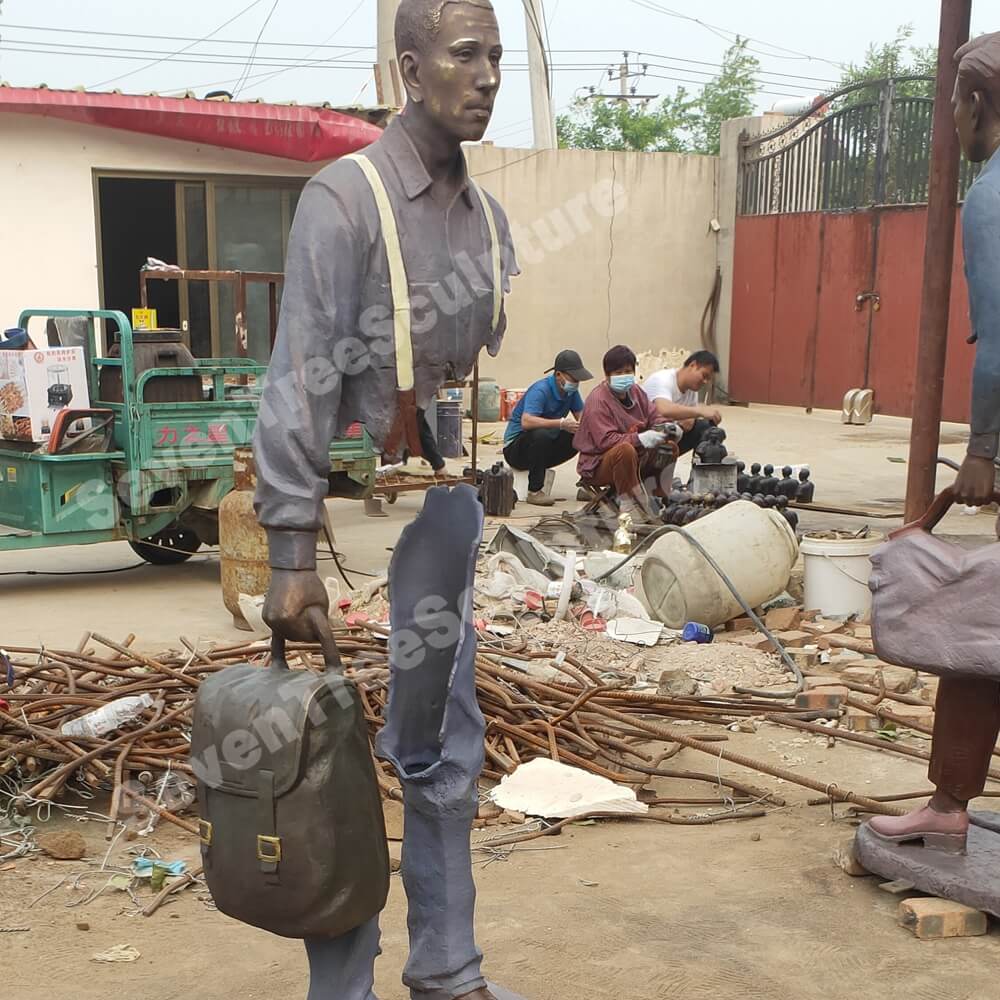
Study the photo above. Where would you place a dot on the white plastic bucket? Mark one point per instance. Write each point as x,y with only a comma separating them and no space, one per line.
837,572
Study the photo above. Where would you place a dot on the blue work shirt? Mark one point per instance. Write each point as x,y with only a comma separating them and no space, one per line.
543,399
981,238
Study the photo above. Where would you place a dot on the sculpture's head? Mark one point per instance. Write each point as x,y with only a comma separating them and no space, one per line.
977,97
449,56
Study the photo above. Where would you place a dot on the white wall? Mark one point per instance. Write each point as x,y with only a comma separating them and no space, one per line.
615,247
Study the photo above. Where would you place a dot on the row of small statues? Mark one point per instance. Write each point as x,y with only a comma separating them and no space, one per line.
683,507
761,481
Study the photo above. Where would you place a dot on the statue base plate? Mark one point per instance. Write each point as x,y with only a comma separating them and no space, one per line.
972,879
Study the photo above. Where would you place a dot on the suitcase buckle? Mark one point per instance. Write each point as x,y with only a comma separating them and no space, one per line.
205,832
269,849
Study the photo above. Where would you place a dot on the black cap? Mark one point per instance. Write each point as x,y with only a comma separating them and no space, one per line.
570,363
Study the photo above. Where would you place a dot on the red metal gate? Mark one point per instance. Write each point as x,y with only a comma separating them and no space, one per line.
826,302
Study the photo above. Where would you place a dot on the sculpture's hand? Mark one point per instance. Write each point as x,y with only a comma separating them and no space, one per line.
975,484
290,598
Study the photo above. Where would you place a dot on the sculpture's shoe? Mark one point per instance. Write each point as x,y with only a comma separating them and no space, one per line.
492,992
945,832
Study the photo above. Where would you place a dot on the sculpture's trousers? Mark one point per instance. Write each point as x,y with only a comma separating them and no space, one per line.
434,738
966,724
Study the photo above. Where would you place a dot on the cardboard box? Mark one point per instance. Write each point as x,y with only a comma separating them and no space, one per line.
35,385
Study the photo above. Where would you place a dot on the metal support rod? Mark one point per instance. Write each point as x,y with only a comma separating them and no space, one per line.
939,259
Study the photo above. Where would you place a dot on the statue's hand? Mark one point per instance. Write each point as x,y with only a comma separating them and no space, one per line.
293,592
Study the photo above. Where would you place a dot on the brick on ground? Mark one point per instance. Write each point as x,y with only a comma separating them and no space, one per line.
859,674
740,625
923,714
822,626
806,657
900,680
859,721
794,639
933,919
822,699
846,860
822,680
782,619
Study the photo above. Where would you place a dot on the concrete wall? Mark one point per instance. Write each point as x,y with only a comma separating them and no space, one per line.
614,248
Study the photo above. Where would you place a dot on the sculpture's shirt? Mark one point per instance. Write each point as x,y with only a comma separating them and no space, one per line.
334,357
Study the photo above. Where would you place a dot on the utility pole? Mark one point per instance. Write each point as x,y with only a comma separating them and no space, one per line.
542,112
388,82
939,258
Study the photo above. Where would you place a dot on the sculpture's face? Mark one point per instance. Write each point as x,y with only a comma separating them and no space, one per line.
458,78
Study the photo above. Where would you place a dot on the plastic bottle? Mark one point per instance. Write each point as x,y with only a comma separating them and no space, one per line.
108,717
696,632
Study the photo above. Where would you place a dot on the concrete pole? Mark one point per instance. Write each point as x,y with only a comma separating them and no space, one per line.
939,259
390,84
542,112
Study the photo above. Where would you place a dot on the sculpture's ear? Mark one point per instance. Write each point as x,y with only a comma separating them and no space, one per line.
409,69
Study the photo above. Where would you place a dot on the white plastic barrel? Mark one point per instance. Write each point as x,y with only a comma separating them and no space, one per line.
755,547
837,572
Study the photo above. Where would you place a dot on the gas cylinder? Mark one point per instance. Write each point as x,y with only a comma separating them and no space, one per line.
242,541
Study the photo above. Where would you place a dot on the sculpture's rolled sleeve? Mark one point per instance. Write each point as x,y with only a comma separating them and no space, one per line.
981,238
301,400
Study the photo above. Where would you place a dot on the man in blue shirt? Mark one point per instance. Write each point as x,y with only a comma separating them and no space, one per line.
540,431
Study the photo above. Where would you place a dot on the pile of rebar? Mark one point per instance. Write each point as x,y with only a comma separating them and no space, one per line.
572,716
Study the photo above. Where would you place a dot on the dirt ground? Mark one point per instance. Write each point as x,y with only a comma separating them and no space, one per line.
751,909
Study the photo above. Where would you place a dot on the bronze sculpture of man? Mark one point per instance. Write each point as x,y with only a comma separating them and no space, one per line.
967,712
397,266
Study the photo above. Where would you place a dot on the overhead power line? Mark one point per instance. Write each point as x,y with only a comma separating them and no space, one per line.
211,34
253,52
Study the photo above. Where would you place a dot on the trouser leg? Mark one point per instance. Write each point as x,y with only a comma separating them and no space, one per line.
427,443
966,725
537,451
344,968
619,468
434,738
692,438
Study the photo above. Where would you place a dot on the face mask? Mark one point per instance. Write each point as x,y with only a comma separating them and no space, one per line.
570,387
622,383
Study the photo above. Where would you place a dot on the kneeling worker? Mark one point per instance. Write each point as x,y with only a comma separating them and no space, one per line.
618,440
540,431
674,393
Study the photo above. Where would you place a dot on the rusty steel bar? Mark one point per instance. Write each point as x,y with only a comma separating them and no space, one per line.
939,259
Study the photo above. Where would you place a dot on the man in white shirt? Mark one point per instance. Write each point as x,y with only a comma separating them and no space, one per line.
674,393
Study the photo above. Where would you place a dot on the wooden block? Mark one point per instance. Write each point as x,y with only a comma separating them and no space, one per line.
859,675
858,721
782,619
794,639
845,859
822,699
933,919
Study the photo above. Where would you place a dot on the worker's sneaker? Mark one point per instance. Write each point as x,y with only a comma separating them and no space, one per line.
939,831
539,498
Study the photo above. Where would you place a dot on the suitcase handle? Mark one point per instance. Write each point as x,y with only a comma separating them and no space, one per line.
324,635
935,513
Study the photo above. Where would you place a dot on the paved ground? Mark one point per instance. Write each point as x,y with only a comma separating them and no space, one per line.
610,911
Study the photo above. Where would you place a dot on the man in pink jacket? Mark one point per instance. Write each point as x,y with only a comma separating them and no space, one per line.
620,432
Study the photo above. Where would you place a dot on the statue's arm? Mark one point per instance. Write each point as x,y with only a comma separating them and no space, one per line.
301,402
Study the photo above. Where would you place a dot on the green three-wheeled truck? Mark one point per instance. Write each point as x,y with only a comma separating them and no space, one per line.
145,471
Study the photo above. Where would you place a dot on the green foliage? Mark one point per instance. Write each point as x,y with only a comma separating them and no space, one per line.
682,123
896,58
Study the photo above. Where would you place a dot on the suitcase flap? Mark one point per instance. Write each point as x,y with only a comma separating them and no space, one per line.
248,719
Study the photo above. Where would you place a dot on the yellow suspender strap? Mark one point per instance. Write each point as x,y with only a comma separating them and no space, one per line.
491,223
398,282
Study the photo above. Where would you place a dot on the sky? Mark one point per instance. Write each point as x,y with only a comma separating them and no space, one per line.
801,46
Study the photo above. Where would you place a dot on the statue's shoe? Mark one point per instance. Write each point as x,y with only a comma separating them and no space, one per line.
946,832
492,992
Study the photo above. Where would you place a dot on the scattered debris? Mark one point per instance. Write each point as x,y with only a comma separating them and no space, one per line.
118,953
63,846
557,791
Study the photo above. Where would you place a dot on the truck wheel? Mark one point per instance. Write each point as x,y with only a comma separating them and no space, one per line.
168,548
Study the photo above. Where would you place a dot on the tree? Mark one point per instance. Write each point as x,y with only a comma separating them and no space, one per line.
894,59
681,123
